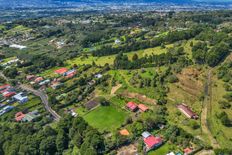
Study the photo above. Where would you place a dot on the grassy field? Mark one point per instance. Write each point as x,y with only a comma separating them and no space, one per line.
2,27
110,59
106,118
124,76
223,134
17,29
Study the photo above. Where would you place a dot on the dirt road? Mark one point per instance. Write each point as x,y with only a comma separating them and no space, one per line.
206,105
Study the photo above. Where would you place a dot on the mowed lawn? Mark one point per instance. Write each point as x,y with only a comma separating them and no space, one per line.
106,118
164,149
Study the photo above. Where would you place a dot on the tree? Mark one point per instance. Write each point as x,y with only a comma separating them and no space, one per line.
135,57
103,101
48,145
61,141
77,140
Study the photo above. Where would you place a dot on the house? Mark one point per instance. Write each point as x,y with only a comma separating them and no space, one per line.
18,46
6,109
30,77
124,132
72,71
8,94
5,86
44,82
117,41
187,111
151,141
132,106
142,107
187,151
38,79
98,76
171,153
19,116
8,89
31,116
61,71
91,83
20,97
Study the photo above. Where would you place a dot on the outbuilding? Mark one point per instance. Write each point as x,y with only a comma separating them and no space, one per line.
132,106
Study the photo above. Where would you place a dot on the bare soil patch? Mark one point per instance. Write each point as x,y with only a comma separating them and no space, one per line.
115,88
127,150
140,97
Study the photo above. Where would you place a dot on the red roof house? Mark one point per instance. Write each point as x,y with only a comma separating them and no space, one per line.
19,116
187,111
38,79
8,94
142,107
152,142
4,86
187,151
61,71
132,106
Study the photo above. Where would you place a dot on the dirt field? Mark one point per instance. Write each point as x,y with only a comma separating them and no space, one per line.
140,97
115,88
127,150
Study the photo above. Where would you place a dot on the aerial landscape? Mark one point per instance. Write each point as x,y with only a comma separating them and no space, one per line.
109,77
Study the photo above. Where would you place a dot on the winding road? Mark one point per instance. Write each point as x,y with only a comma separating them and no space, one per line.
42,95
44,99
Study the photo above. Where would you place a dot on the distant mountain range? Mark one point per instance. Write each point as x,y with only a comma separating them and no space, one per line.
70,3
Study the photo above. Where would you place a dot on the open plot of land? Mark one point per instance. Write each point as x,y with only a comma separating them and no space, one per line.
124,76
188,91
110,59
106,118
223,134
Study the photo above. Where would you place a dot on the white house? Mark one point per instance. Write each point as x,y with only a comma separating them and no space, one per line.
20,98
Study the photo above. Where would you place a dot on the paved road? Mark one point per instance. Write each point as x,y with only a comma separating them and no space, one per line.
44,99
42,95
204,113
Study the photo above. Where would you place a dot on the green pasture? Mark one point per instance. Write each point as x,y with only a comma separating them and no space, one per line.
106,118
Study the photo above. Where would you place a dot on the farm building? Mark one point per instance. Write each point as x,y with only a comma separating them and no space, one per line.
61,71
142,107
20,97
187,111
151,141
124,132
132,106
